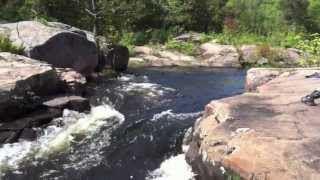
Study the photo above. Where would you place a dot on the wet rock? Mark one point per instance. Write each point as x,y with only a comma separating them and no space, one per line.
59,47
23,82
118,57
35,119
114,56
72,82
269,134
75,103
8,137
21,128
28,134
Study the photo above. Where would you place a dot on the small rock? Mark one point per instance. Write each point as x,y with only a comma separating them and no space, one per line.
76,103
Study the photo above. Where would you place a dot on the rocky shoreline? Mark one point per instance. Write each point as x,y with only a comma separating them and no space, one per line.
265,133
212,54
51,74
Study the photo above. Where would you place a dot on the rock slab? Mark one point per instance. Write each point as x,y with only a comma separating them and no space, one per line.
22,82
268,134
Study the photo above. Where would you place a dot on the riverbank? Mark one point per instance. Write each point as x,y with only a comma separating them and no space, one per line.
46,68
266,133
213,54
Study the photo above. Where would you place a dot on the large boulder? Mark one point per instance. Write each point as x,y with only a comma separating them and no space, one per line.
117,57
265,135
278,57
57,46
217,55
249,54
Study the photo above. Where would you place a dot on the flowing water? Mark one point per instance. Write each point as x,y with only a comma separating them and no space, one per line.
133,131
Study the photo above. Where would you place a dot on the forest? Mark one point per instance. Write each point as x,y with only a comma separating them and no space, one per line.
283,23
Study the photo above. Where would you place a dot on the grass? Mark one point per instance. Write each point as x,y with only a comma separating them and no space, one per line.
7,46
188,48
276,39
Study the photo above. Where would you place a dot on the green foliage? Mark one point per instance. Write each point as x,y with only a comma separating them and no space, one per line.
254,16
314,14
281,23
311,46
7,46
128,40
280,39
183,47
233,176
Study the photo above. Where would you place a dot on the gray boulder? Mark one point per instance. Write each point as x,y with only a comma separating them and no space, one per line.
57,46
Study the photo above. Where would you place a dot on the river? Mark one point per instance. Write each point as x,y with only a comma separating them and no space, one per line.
133,131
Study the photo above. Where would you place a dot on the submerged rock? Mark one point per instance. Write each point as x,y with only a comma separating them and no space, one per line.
265,135
22,128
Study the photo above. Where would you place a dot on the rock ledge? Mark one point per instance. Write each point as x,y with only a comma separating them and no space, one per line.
268,134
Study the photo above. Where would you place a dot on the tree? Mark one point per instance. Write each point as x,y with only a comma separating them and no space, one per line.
314,14
296,12
256,16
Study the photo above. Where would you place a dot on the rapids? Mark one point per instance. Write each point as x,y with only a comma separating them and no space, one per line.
133,131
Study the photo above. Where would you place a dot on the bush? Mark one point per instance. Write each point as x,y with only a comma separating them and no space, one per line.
7,46
183,47
127,39
311,46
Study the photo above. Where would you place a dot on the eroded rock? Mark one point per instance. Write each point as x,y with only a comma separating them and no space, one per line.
265,135
22,82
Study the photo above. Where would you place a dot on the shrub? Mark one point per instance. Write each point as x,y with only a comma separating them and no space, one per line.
183,47
140,38
7,46
127,39
311,46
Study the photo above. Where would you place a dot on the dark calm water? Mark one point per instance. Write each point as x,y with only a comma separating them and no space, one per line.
158,106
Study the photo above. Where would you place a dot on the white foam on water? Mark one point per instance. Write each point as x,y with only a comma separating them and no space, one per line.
151,89
174,168
141,84
126,77
57,139
169,114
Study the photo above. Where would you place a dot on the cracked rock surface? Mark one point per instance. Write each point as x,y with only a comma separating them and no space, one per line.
268,134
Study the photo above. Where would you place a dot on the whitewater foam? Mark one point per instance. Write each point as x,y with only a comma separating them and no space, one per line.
174,168
169,114
142,84
57,139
